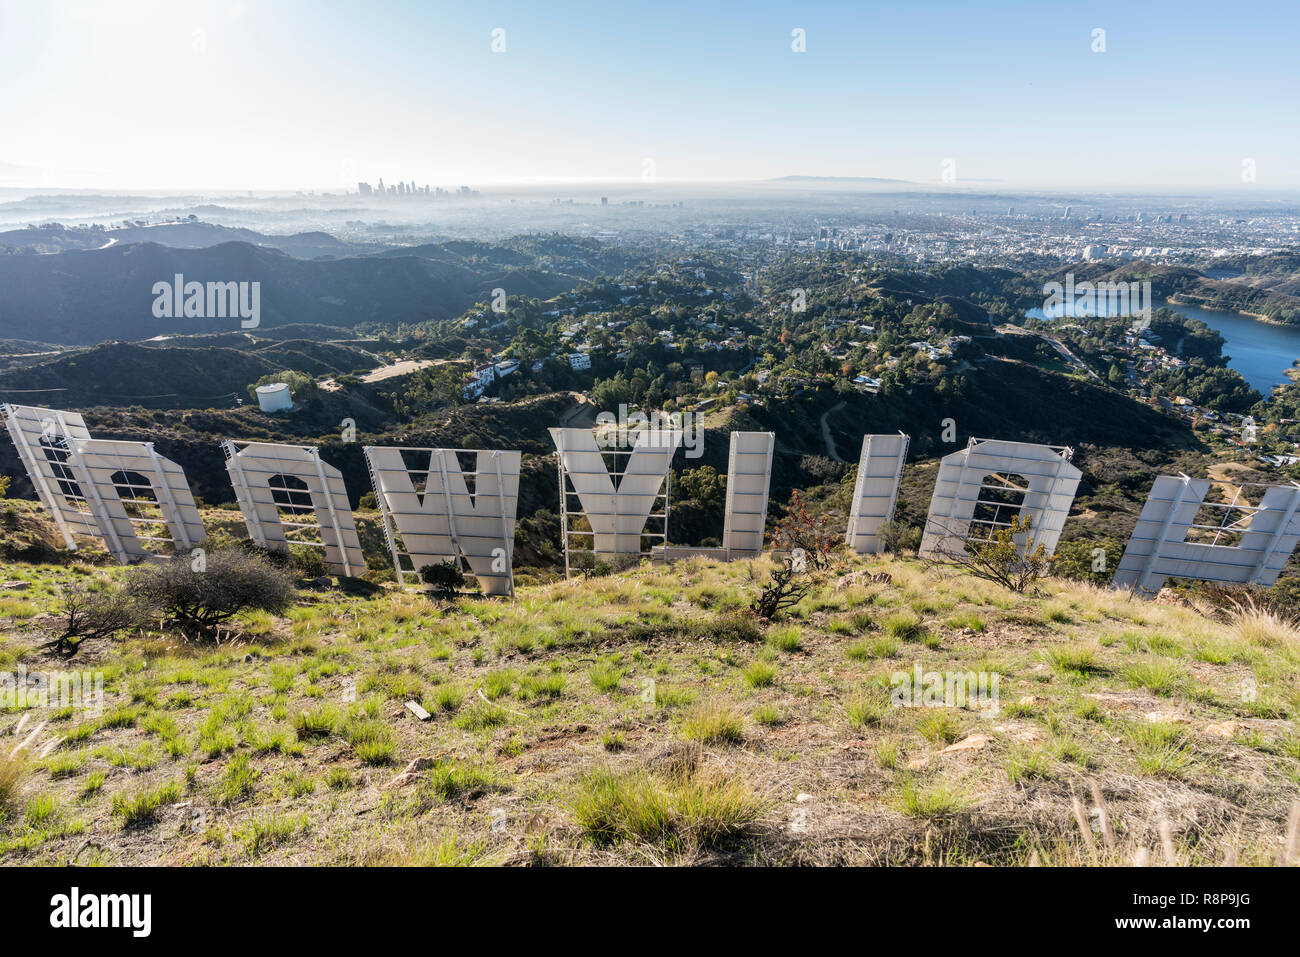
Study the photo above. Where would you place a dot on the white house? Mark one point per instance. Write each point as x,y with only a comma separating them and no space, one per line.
479,380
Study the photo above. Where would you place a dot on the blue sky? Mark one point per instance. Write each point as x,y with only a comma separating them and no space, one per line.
241,94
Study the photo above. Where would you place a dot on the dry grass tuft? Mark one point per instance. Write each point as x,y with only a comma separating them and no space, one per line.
12,771
1258,626
714,723
680,814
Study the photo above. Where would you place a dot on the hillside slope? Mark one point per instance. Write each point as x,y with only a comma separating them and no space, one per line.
123,374
81,298
644,717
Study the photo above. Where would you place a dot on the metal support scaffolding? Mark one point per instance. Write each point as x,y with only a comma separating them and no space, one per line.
445,521
254,466
617,503
1159,548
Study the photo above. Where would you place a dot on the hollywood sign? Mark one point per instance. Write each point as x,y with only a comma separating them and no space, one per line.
460,505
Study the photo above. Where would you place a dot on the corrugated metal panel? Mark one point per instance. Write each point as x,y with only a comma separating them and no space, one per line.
749,477
1158,548
879,470
73,476
45,441
446,521
101,459
1052,482
617,515
252,465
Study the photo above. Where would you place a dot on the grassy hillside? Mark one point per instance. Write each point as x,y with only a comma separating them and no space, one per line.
648,717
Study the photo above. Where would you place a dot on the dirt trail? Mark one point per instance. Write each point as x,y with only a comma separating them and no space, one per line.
583,408
826,433
405,367
1218,474
380,373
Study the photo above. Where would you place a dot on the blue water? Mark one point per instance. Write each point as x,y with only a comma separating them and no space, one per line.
1260,351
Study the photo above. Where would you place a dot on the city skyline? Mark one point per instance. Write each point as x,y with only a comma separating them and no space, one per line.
242,95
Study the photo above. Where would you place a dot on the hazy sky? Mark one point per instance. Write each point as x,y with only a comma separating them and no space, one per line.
241,94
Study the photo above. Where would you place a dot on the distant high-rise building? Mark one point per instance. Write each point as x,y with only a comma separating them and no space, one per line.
604,201
1067,213
363,189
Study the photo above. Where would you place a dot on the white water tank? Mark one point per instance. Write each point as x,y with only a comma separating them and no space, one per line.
274,397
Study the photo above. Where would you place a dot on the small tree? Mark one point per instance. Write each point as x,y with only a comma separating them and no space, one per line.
703,484
813,535
1011,557
92,615
780,592
444,577
205,595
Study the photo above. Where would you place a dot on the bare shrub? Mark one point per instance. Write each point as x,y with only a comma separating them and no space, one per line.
231,581
1010,557
93,615
782,591
813,535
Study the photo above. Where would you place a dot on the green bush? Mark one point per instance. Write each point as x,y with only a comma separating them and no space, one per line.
898,537
445,577
308,561
1076,559
301,386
